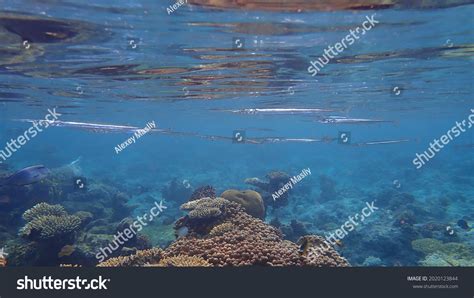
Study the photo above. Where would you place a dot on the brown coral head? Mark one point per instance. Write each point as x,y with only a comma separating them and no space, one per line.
249,199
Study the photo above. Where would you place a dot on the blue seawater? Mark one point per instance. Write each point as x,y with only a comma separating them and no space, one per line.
132,63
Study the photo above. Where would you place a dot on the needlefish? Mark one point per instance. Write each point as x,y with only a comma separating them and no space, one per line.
345,120
277,111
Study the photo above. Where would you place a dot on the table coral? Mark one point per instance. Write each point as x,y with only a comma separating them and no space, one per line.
43,209
46,221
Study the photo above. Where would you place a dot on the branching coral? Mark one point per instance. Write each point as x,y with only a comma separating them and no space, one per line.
47,227
48,221
43,209
140,258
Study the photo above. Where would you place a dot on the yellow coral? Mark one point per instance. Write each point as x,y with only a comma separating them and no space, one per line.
182,261
140,258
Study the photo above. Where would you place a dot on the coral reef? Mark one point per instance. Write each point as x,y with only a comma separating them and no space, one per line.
230,238
249,199
46,222
204,208
372,261
140,258
426,245
43,209
251,242
221,229
444,254
203,192
182,261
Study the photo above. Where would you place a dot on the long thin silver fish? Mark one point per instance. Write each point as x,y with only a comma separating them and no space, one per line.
96,127
381,142
279,111
344,120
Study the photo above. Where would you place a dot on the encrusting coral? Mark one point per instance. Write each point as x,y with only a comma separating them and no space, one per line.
249,199
46,221
232,238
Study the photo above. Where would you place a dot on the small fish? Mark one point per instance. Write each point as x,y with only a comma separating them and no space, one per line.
27,176
181,232
67,250
339,243
279,111
464,225
305,244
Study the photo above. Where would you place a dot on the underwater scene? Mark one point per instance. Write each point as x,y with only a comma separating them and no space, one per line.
217,133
